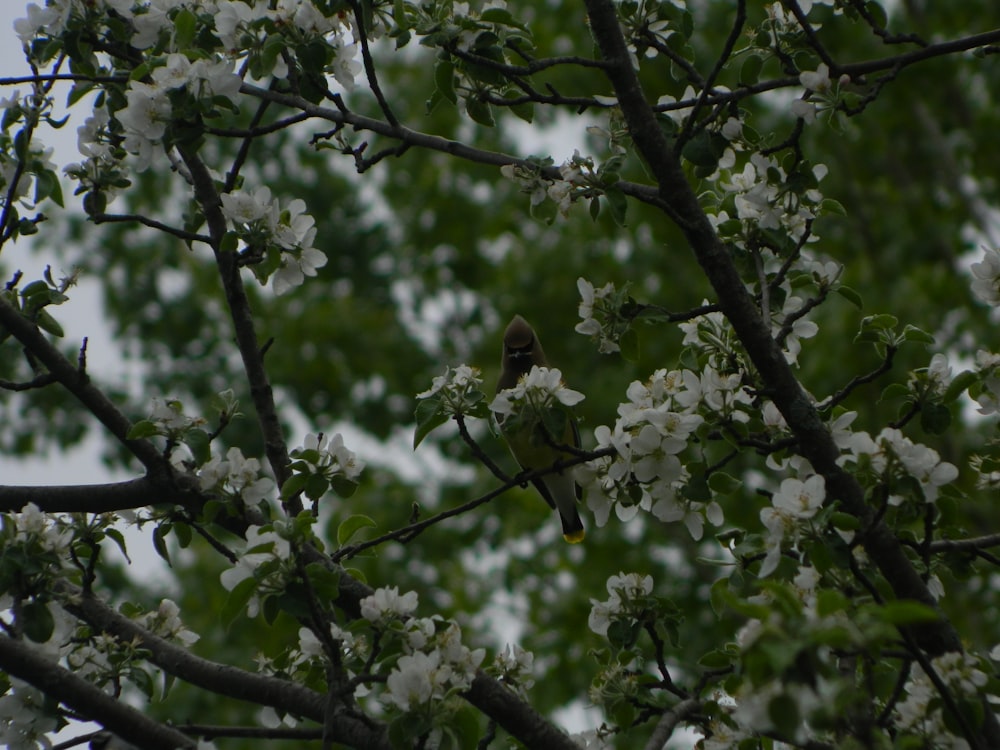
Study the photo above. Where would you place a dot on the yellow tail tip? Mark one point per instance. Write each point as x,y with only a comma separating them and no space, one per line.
575,537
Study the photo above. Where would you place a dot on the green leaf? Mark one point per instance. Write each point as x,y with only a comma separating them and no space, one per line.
433,101
95,203
831,206
851,296
959,384
622,633
351,526
142,429
119,539
37,621
343,486
906,612
844,521
429,417
894,391
500,16
880,322
716,659
407,728
185,24
230,241
160,541
201,447
316,486
236,603
628,343
399,15
293,485
935,418
523,110
750,70
784,714
722,483
705,149
444,79
831,601
918,335
47,323
325,582
877,14
618,204
480,111
184,534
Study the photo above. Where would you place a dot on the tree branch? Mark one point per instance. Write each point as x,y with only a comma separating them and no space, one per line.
152,223
668,722
414,138
518,718
243,323
101,498
20,659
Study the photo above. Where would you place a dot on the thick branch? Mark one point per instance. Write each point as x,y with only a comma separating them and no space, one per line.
98,498
669,721
522,721
21,660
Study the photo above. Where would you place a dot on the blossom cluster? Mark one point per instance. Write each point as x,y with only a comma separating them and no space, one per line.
260,222
601,313
432,663
458,390
539,391
33,547
24,720
761,199
238,27
165,622
530,180
514,666
30,163
628,598
986,277
921,714
167,418
445,667
235,476
579,178
795,503
263,569
150,107
891,456
322,462
644,472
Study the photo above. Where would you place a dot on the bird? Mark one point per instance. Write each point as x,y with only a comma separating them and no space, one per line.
529,440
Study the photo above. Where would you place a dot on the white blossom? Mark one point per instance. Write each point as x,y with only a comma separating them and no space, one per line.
387,604
541,386
986,277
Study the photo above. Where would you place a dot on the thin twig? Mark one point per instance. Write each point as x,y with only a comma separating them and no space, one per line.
151,223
